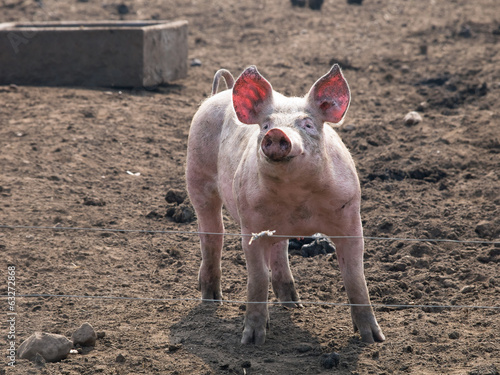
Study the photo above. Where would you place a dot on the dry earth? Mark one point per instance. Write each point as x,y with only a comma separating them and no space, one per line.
65,153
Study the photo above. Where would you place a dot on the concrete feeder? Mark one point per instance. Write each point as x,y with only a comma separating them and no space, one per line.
106,53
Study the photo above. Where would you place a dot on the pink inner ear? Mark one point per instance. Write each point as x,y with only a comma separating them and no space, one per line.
251,93
331,94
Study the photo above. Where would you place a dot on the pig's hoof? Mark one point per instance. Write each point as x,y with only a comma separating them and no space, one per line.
212,296
370,333
255,335
287,294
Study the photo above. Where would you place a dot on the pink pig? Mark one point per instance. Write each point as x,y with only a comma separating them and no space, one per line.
275,165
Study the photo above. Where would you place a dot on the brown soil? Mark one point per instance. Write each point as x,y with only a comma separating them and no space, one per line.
65,153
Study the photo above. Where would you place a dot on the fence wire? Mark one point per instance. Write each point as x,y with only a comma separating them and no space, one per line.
320,303
172,299
147,231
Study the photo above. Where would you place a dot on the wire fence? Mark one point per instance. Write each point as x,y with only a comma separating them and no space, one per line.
147,231
319,303
173,299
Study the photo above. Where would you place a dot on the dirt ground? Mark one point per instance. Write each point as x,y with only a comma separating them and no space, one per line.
65,153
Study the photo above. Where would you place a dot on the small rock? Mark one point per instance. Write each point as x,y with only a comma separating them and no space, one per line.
175,196
195,62
101,335
183,214
465,31
84,336
50,346
330,360
412,118
174,347
454,335
315,4
120,358
123,9
484,229
246,364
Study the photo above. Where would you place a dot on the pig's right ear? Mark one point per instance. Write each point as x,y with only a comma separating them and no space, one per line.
252,94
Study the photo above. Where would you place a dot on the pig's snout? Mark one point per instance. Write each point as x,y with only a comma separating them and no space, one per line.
276,145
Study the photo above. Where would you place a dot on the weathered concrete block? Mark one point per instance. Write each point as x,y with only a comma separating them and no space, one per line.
111,53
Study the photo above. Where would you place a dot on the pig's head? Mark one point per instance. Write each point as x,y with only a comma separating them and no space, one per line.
290,128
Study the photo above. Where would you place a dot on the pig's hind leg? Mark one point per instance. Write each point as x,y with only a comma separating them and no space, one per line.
282,279
208,207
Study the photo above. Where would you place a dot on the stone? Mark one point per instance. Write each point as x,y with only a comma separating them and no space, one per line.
484,229
412,118
175,196
141,53
51,347
84,336
184,213
330,360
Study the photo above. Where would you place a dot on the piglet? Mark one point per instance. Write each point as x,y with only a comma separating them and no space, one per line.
276,165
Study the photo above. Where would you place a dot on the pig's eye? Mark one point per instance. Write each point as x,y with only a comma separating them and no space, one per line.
308,125
265,127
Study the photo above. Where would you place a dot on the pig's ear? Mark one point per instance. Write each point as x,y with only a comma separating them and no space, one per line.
330,95
251,95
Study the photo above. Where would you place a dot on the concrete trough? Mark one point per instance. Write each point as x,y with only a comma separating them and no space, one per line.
106,53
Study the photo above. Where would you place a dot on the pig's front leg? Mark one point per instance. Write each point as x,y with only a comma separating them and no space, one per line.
282,279
350,258
257,315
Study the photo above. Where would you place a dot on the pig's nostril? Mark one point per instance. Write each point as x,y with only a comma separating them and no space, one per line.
284,144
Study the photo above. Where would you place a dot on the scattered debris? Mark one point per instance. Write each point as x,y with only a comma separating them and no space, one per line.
264,233
195,62
311,246
134,173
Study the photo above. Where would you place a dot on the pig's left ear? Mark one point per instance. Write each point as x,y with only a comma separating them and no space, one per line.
252,94
330,95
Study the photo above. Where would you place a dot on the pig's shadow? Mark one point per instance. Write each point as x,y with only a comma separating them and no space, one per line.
289,349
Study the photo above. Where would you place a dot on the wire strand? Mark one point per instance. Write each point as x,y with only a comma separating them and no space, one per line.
118,230
172,299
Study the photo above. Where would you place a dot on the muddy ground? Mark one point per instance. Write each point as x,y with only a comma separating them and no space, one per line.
65,153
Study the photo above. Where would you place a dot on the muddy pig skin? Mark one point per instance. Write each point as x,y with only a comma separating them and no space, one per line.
276,164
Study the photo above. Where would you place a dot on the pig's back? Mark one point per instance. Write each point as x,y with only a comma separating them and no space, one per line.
204,137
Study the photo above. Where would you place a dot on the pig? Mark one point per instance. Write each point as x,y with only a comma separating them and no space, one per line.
278,168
